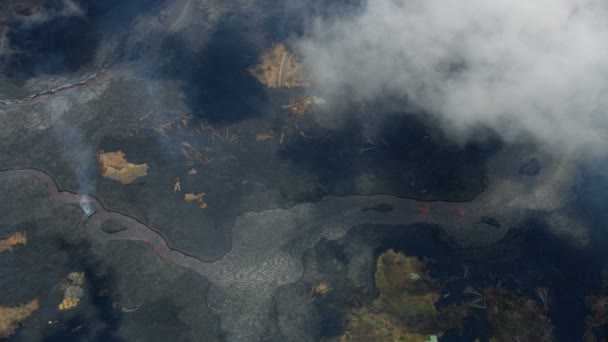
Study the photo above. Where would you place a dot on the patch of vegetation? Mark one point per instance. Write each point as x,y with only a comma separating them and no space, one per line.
405,309
11,242
11,317
113,165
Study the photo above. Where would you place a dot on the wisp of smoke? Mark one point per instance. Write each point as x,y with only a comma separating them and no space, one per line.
534,69
76,151
86,205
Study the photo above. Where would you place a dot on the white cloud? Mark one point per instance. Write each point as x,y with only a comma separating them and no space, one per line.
521,67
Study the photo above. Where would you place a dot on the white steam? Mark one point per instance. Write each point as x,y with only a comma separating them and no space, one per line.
76,151
525,68
86,205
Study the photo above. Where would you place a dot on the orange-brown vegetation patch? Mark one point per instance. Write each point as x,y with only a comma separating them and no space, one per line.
269,68
113,165
277,65
321,289
375,326
196,198
72,290
14,240
299,106
405,309
405,288
69,303
11,317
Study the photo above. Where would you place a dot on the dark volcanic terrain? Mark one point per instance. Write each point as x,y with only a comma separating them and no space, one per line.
244,205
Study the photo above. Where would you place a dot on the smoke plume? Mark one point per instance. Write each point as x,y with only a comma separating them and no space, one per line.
524,68
76,151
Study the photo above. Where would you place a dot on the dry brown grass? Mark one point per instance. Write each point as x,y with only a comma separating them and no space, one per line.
196,198
113,165
72,290
368,325
267,71
69,303
405,309
405,288
11,317
321,289
299,106
14,240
